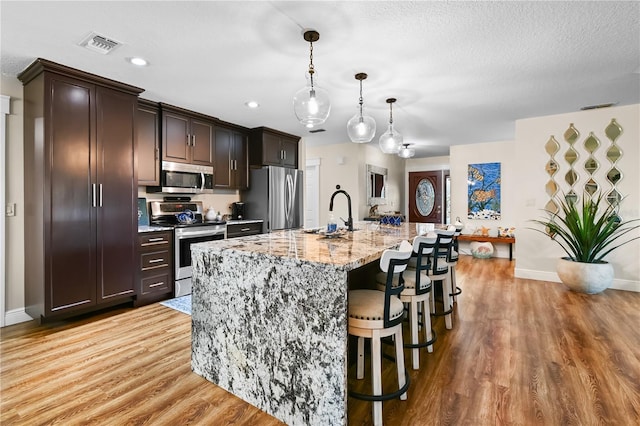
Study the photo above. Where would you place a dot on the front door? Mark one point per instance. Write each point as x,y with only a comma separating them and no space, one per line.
425,196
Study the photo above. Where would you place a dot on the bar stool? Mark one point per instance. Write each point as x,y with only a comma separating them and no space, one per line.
376,314
440,272
417,294
452,260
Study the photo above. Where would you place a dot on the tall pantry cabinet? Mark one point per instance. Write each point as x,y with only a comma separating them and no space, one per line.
80,191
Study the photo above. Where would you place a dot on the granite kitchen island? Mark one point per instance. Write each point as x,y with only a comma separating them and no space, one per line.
269,317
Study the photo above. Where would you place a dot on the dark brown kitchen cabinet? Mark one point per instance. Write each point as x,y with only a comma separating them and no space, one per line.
156,266
148,133
235,230
270,147
231,169
187,137
80,191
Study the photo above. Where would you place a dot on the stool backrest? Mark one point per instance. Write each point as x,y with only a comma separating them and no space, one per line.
394,262
456,234
442,251
423,247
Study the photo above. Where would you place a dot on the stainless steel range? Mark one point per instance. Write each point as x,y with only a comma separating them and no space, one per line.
174,213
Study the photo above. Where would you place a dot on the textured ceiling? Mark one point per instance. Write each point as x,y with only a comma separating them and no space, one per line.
462,72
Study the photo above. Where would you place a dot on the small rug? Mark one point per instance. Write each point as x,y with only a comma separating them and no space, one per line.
182,304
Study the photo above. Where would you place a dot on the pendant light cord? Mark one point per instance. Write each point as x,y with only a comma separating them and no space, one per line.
311,68
361,101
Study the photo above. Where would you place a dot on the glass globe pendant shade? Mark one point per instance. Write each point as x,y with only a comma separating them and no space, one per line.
406,152
361,128
390,141
311,105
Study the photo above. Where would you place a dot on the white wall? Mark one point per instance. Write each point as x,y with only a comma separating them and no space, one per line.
536,254
345,164
395,194
491,152
14,225
340,164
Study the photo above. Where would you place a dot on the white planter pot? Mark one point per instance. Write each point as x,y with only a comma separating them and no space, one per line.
582,277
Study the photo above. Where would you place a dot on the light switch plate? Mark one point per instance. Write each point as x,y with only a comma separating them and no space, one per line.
10,209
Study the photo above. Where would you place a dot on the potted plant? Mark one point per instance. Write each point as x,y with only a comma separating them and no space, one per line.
587,232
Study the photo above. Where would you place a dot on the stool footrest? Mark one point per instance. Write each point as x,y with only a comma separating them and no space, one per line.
457,292
423,344
384,396
441,314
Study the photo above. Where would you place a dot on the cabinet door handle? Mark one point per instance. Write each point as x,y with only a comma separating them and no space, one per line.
284,154
188,139
100,195
193,140
93,195
157,153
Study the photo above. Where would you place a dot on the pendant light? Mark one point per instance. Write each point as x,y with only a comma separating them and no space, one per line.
391,140
361,128
311,103
406,152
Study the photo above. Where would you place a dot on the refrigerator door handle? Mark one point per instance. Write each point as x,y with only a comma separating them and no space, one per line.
288,199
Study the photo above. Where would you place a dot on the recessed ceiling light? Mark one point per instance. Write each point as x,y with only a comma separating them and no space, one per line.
252,104
140,62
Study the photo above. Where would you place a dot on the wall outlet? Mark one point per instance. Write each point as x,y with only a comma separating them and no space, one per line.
10,209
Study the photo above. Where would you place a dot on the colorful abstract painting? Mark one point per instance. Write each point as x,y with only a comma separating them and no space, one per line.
483,181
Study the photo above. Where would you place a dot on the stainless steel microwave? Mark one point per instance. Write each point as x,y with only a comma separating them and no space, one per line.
179,178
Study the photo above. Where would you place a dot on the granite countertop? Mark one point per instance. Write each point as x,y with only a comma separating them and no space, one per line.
351,250
153,228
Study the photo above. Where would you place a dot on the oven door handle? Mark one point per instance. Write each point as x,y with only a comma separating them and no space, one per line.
192,233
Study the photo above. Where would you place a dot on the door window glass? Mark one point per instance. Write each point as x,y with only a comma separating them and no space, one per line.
425,197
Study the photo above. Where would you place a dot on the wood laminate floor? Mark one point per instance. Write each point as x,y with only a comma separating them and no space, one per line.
521,352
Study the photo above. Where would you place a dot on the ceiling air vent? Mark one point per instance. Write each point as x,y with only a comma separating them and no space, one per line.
607,105
99,43
317,131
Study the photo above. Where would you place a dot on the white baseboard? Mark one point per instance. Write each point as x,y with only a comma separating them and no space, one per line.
16,316
618,284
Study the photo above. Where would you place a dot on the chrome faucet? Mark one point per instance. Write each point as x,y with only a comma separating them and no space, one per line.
349,221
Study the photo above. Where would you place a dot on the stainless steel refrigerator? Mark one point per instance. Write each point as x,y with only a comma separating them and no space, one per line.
275,196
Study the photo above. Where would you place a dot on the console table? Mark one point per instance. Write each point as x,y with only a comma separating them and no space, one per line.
483,239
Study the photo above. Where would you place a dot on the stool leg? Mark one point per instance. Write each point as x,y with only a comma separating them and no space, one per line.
400,362
432,297
413,325
446,301
376,374
453,282
426,322
360,362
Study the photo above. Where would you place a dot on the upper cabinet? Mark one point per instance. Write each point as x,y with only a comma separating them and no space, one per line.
148,142
231,169
187,137
270,147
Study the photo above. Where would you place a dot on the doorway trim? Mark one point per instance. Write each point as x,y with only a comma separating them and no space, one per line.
439,165
5,109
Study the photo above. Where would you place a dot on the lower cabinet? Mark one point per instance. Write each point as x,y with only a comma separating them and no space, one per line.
156,267
235,230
